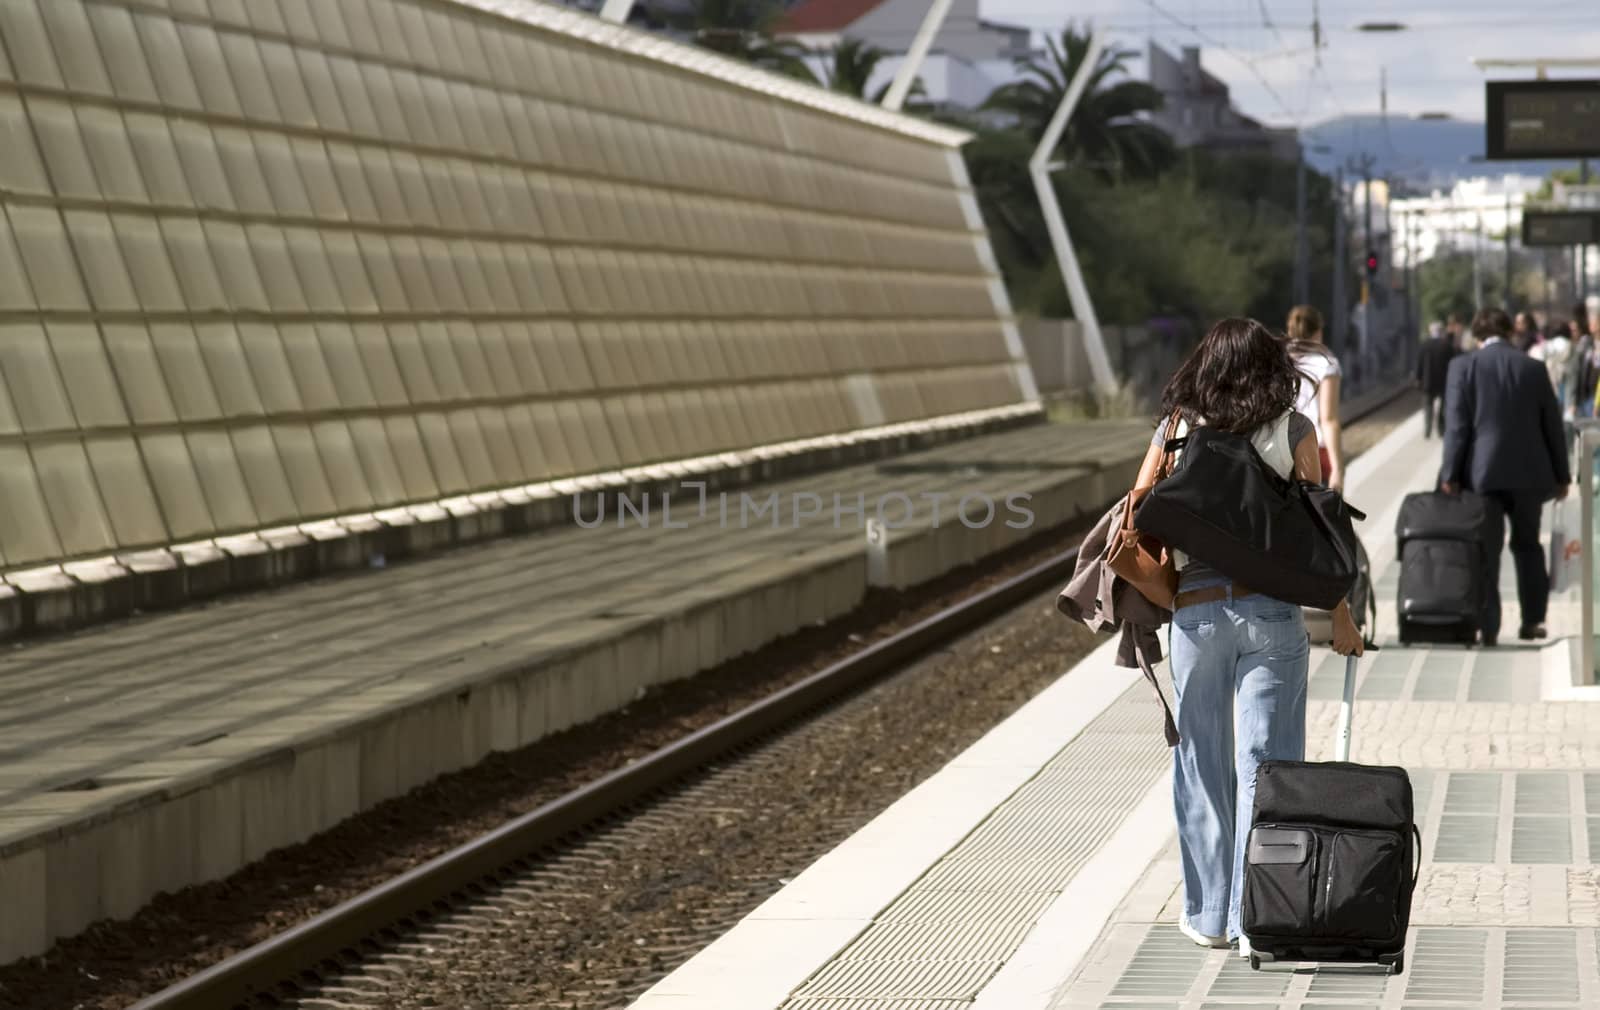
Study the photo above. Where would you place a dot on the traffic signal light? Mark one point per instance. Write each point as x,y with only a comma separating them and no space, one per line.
1372,263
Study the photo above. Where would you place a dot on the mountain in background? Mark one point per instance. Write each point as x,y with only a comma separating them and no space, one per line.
1425,153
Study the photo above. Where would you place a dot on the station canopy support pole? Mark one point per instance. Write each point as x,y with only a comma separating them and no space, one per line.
1066,259
906,75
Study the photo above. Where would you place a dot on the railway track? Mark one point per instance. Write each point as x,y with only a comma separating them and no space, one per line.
423,930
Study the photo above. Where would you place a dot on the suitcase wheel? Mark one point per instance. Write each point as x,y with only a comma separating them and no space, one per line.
1255,962
1397,965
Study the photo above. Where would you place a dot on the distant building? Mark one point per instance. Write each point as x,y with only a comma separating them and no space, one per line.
1472,216
1198,112
890,25
970,57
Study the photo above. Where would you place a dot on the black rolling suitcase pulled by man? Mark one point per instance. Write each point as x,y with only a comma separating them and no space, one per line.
1330,864
1442,539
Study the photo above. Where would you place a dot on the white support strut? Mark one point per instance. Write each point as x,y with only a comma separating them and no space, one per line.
617,10
1039,168
906,75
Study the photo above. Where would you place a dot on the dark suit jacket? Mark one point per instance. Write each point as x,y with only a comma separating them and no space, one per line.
1502,428
1433,362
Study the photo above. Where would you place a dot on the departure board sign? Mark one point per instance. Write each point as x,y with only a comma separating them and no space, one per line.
1560,227
1543,119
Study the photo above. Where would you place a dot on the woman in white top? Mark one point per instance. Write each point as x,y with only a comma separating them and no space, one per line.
1238,658
1318,398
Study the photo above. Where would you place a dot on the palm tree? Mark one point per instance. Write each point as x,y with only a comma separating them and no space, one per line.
1105,131
742,29
853,64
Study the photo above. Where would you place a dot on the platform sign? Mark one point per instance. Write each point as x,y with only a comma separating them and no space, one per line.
1560,227
1543,119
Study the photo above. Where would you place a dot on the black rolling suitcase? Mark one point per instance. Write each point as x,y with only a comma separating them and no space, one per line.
1330,865
1442,539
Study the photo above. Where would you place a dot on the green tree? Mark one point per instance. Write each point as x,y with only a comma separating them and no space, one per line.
742,29
1547,188
1446,286
1106,130
851,66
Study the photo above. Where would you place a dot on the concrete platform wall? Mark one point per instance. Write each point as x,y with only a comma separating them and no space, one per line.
273,262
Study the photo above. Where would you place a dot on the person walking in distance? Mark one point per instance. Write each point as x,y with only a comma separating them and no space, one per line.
1238,658
1581,370
1433,361
1318,396
1503,439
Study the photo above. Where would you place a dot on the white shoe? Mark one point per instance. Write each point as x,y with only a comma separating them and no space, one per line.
1244,946
1199,937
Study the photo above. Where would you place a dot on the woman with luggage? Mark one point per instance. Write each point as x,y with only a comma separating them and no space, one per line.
1239,659
1318,398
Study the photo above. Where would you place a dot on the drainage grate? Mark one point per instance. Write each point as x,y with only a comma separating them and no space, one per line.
1327,681
1166,964
1237,982
1448,968
1492,678
1447,964
1473,793
1541,967
1343,981
1540,830
1387,677
1422,786
1470,825
1542,793
1440,678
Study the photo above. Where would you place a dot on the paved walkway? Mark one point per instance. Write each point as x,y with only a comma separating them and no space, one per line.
1062,891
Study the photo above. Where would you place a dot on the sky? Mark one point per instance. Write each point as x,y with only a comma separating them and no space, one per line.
1263,48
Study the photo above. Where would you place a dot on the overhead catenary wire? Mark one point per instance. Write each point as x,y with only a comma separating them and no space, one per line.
1217,43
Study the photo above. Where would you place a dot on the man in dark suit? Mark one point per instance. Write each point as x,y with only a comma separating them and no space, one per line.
1503,439
1433,363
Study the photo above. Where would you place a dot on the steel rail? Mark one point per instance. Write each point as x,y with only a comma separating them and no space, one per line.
258,971
267,968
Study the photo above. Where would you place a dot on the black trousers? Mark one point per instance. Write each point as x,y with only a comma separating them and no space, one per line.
1523,509
1432,414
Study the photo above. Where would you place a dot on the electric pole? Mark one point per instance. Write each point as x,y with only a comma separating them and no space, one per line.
1341,319
1506,299
1583,250
1477,265
1363,166
1302,252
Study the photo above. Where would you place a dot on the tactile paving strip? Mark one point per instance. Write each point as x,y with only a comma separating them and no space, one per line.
1546,825
950,932
1448,967
1507,674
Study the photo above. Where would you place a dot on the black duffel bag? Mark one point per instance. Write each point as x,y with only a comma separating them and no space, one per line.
1223,505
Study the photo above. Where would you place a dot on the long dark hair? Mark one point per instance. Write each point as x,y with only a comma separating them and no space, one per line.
1239,378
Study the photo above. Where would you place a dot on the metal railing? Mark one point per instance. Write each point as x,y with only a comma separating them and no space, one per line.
1588,445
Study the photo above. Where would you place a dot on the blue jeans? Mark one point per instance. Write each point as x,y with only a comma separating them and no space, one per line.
1239,675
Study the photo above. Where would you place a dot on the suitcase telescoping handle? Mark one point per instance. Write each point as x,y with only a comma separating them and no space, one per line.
1341,743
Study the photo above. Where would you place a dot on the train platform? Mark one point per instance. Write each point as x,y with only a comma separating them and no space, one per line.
172,749
1039,869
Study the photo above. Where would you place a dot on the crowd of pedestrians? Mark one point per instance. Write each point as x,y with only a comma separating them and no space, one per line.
1567,348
